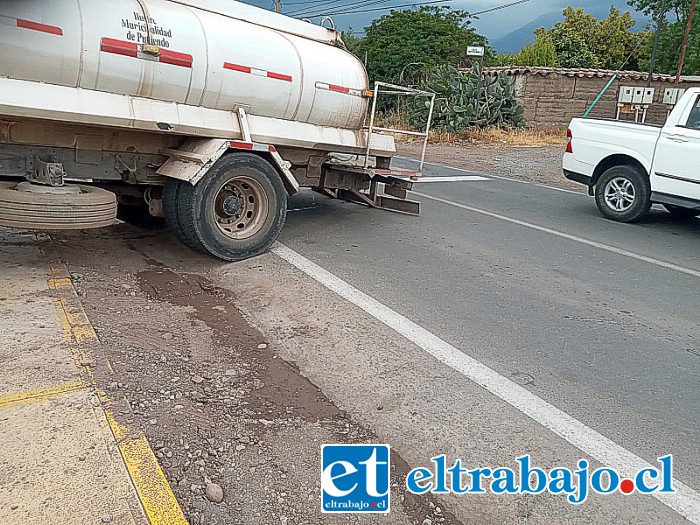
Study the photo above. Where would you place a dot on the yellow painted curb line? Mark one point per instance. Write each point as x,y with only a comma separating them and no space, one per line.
151,485
41,394
154,492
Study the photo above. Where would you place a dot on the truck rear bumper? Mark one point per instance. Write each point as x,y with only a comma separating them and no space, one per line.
578,177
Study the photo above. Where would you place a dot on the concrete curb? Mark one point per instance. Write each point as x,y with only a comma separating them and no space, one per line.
153,490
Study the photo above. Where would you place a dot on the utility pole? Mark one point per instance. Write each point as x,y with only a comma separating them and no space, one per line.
278,6
659,28
685,42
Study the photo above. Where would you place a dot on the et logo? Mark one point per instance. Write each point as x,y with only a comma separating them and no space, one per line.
355,478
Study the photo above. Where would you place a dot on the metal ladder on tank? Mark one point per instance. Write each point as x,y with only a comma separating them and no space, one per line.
383,88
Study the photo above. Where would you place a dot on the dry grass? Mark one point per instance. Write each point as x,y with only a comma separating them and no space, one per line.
493,136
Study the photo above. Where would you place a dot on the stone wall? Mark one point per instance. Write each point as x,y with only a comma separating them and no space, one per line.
552,100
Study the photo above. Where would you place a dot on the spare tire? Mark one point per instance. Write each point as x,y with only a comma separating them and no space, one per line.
71,207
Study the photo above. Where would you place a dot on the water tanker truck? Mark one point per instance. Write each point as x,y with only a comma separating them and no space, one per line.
209,113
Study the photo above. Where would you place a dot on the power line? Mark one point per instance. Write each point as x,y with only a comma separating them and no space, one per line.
307,2
355,5
312,6
417,4
498,7
312,11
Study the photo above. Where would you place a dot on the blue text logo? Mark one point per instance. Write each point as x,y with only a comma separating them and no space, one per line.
576,484
355,478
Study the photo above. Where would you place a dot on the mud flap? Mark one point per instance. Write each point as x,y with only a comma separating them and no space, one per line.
193,159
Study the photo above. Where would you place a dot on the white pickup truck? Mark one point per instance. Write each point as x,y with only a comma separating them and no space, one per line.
630,166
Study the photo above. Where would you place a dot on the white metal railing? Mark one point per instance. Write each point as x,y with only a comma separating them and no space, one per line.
383,88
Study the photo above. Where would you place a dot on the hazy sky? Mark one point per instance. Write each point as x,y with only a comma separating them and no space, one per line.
492,25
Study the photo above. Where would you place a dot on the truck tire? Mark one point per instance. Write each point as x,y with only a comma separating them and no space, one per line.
173,210
34,207
623,194
236,211
680,212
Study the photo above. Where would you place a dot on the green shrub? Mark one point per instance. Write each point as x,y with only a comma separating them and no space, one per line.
467,100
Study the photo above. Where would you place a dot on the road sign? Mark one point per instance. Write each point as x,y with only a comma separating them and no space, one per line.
475,51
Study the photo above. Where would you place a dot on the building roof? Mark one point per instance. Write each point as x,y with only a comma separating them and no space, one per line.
581,72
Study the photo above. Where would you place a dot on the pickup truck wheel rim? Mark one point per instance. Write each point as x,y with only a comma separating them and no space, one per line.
619,194
241,207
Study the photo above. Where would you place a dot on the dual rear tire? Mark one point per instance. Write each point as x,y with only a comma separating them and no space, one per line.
235,212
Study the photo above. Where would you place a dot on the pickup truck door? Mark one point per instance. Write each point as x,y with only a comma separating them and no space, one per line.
676,167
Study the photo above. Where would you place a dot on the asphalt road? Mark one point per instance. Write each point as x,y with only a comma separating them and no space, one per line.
508,319
598,319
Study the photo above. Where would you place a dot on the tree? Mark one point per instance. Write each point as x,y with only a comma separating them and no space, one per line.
578,22
540,53
653,8
572,48
429,36
581,40
352,42
677,11
670,49
615,43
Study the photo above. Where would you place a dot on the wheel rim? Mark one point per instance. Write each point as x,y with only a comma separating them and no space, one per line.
241,207
619,194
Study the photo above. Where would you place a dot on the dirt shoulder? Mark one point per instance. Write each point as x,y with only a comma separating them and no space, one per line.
540,164
236,428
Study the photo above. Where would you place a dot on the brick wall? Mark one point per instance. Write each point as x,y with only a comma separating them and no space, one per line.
552,100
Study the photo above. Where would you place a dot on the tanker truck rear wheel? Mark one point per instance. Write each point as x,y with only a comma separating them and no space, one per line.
236,211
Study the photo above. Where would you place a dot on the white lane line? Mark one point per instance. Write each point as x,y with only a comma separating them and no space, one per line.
473,172
509,179
575,238
464,178
563,190
685,501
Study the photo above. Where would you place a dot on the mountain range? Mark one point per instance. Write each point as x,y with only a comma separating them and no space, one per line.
514,41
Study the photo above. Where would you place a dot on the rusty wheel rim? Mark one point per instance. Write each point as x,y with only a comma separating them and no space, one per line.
241,207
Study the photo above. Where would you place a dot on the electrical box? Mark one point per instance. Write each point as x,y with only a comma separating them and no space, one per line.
672,95
626,93
638,96
648,99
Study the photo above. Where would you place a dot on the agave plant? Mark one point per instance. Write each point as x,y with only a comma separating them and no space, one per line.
468,100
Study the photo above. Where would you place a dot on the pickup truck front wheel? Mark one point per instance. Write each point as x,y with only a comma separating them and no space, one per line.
623,194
